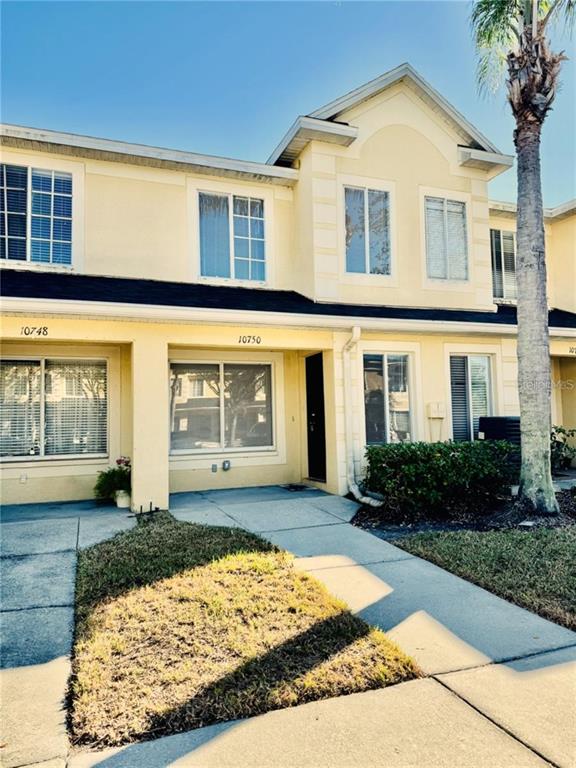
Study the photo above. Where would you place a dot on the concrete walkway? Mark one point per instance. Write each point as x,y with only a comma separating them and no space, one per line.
502,691
38,548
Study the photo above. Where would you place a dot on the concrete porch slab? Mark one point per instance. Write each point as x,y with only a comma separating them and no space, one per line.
52,510
35,636
189,500
34,724
36,581
278,515
210,515
33,537
98,528
340,539
413,725
444,622
533,698
258,493
345,509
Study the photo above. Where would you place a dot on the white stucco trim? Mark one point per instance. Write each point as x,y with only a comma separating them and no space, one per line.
197,315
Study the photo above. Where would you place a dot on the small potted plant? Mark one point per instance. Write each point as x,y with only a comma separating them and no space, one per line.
114,483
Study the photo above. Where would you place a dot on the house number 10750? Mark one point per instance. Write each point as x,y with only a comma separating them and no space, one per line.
249,339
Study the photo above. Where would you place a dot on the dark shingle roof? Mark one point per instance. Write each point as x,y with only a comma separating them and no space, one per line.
60,286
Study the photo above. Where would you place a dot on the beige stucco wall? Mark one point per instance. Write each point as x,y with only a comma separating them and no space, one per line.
138,355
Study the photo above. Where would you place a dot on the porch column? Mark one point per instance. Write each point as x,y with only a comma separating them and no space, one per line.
150,403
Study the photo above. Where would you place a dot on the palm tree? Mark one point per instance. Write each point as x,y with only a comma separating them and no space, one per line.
512,35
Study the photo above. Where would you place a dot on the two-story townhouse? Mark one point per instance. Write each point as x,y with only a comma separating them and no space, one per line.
229,323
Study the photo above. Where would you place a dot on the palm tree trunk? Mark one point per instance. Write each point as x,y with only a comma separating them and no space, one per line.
534,372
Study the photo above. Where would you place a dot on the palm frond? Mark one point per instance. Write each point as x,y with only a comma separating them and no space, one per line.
490,69
494,22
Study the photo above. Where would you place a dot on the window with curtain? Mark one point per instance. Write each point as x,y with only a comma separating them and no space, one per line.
232,242
35,215
503,264
446,239
220,406
367,218
387,398
470,393
67,416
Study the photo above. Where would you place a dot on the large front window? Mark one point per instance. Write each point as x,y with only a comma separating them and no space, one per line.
220,406
35,215
387,399
446,239
53,408
471,394
232,240
367,231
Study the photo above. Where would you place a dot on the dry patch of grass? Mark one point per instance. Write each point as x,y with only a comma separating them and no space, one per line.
182,625
534,569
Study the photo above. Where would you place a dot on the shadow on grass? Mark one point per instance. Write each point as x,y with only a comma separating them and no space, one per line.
159,547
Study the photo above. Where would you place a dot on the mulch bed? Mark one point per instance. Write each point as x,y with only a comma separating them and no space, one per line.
509,514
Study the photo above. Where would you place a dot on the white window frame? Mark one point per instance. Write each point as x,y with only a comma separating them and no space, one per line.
412,420
221,362
61,456
503,299
367,236
195,187
45,163
496,389
446,283
376,185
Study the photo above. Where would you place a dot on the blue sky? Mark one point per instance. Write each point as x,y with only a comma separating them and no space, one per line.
228,78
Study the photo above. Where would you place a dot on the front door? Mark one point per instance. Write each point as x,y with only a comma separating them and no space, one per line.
315,418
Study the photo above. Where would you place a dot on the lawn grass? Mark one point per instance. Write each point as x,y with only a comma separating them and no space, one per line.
534,569
182,625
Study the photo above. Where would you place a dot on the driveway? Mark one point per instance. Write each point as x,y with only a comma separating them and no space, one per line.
39,546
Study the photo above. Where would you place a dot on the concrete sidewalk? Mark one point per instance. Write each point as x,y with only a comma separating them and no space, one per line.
38,564
502,691
502,665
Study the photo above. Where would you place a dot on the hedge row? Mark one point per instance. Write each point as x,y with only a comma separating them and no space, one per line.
440,480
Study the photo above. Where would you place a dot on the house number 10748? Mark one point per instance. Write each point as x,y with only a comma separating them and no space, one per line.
249,339
34,330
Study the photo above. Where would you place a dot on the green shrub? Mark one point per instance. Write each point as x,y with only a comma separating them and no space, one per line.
440,480
116,478
561,452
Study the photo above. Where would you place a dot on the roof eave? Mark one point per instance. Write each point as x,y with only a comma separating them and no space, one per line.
491,162
306,129
141,154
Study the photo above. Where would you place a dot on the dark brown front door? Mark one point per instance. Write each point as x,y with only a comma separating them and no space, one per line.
315,418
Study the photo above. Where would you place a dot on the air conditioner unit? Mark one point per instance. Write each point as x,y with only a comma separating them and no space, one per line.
501,428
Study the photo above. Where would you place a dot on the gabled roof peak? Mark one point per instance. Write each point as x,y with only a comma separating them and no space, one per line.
331,113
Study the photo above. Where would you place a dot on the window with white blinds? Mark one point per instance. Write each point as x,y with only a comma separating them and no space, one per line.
35,215
471,394
503,264
53,408
446,239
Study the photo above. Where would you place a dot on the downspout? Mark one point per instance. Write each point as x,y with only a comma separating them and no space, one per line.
349,438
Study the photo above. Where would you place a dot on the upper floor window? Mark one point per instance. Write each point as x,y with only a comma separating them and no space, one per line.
53,408
367,231
503,264
387,399
35,215
446,239
232,242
